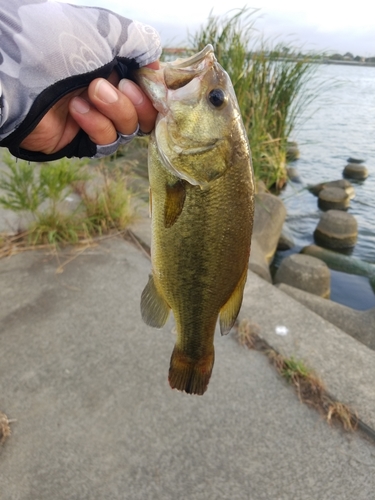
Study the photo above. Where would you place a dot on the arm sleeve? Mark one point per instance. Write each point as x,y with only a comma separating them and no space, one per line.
48,49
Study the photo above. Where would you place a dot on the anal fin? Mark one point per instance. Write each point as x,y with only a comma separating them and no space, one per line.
154,308
230,310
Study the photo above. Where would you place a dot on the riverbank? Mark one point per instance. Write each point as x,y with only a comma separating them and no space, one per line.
85,387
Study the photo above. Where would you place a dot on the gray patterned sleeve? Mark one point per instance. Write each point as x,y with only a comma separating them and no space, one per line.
48,49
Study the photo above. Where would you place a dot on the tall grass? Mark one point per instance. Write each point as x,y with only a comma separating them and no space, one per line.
270,83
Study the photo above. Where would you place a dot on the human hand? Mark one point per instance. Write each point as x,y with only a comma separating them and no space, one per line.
103,110
53,107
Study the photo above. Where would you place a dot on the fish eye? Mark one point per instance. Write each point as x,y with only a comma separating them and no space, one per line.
217,98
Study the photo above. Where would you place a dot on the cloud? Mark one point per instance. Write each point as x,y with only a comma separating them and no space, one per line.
320,25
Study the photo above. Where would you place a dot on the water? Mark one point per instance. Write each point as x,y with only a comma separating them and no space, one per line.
339,124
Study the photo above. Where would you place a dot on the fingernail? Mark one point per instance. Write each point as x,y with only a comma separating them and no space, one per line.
80,105
132,91
105,92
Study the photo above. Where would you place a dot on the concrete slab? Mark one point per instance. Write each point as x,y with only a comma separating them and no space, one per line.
358,324
346,366
86,382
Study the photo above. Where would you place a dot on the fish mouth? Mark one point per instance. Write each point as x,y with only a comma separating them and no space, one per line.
195,59
180,72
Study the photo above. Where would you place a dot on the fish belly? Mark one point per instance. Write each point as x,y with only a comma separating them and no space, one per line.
200,251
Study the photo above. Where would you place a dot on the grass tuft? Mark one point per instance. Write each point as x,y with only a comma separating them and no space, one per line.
40,192
5,430
109,206
308,386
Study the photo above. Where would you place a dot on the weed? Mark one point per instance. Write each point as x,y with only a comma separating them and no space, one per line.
22,191
341,413
309,387
5,430
293,370
247,333
109,206
26,187
39,192
55,228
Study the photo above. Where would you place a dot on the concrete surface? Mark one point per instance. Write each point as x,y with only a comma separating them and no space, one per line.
86,383
358,324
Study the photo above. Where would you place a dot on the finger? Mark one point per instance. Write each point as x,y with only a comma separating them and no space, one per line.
153,65
114,105
99,128
145,111
55,130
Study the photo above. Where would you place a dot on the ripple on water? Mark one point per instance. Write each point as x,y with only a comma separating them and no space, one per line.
341,124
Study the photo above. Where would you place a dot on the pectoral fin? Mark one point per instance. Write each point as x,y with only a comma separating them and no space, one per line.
154,308
230,310
174,202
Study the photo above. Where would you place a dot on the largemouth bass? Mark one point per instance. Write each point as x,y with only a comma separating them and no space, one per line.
202,206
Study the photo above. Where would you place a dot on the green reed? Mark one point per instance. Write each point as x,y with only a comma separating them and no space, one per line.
270,83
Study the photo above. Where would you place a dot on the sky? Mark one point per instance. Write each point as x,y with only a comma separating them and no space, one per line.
319,25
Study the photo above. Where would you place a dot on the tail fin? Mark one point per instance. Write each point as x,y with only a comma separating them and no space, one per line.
190,375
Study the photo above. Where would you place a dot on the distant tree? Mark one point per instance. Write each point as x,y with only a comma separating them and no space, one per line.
336,57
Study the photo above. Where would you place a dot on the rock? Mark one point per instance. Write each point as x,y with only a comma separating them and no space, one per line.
340,183
70,204
14,222
269,218
293,174
355,171
292,151
343,263
258,262
354,160
337,230
306,273
286,241
260,187
358,324
333,198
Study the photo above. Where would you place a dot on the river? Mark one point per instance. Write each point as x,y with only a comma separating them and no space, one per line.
338,124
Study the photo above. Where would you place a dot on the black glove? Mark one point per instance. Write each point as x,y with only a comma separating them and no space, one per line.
50,49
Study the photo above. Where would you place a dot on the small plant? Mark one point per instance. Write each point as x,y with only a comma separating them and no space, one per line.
310,389
109,206
22,191
39,191
293,370
5,430
55,228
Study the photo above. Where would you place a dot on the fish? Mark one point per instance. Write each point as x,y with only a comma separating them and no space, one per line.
202,209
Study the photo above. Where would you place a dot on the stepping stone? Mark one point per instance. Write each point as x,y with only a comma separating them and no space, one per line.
355,171
333,198
336,230
306,273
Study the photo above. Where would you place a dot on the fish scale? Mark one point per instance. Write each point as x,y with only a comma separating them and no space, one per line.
202,213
